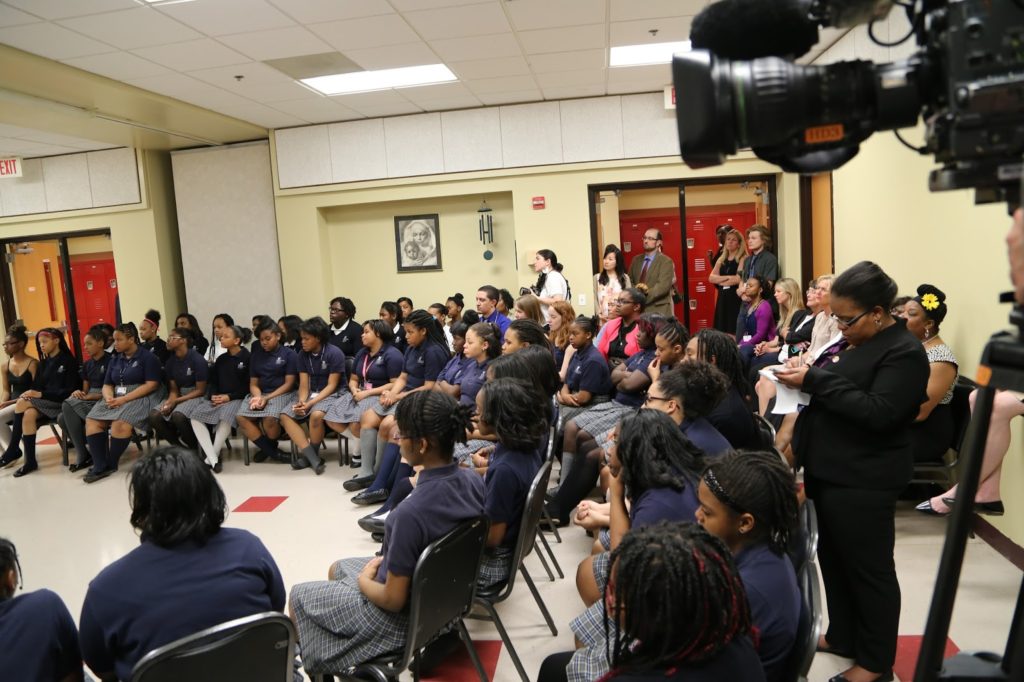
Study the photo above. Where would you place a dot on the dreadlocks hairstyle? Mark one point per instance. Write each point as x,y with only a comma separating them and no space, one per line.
57,334
435,416
317,328
511,408
759,484
381,330
655,454
421,319
9,562
700,385
720,349
662,571
530,333
185,333
491,335
675,332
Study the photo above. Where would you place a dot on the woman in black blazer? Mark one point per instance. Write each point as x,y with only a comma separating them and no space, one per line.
854,442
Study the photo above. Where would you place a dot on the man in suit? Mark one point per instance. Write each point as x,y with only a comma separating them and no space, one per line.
655,270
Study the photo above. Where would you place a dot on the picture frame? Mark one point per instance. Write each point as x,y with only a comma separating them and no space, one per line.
418,243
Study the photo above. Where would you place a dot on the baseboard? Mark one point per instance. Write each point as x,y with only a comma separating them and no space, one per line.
1009,549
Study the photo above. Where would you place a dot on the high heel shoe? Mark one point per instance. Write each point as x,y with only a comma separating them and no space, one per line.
927,508
993,508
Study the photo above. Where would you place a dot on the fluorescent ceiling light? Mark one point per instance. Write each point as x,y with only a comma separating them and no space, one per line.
384,79
643,55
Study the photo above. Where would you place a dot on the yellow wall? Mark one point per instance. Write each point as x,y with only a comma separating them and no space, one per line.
696,195
884,212
92,244
143,237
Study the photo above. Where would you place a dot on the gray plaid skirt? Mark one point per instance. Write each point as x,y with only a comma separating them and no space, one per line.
384,411
567,412
495,567
179,406
274,407
83,407
464,450
202,410
324,406
338,626
603,417
134,412
48,408
591,661
346,410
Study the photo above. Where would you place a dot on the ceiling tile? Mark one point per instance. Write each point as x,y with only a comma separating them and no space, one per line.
495,98
563,39
225,17
259,82
414,5
14,17
61,140
470,49
388,109
117,65
445,96
569,61
127,29
315,11
459,22
648,74
388,29
535,14
277,43
571,78
214,98
393,56
61,9
261,115
177,85
317,110
491,68
510,84
33,149
191,55
51,40
627,10
573,91
638,32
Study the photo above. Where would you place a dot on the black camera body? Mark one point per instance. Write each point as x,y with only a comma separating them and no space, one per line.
966,79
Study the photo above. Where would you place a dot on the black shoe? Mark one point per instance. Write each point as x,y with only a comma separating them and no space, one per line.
10,458
372,497
218,467
927,508
994,508
377,537
27,469
357,483
259,457
92,477
435,653
282,457
321,468
355,462
82,465
301,463
372,523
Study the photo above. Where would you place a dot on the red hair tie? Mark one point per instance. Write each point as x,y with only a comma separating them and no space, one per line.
153,322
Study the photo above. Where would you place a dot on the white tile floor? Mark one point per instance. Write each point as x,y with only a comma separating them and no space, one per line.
67,531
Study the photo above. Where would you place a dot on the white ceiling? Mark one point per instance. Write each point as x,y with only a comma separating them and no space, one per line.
503,51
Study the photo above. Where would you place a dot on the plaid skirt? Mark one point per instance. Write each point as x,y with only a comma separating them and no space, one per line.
464,450
83,407
274,407
591,661
202,410
324,406
177,408
346,410
338,626
495,567
49,408
134,412
568,412
384,411
602,417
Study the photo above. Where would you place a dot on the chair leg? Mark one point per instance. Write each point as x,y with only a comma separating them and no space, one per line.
540,602
548,523
543,561
506,640
473,655
62,440
551,555
245,449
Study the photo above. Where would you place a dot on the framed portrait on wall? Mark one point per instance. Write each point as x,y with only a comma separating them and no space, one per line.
417,243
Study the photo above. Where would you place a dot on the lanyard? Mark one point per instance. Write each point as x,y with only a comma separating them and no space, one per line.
366,367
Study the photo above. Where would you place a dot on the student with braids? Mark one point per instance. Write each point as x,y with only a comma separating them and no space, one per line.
131,389
272,372
55,380
149,336
228,385
40,640
321,375
359,613
733,416
669,347
748,500
187,372
523,333
76,408
658,573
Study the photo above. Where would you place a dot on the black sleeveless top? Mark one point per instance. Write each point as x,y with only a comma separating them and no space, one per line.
19,383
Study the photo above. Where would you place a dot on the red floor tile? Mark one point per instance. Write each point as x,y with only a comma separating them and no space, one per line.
907,649
459,667
260,504
49,441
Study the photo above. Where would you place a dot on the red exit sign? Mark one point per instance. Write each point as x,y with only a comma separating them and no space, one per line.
10,168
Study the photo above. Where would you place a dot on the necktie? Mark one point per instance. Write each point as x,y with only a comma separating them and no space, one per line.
643,271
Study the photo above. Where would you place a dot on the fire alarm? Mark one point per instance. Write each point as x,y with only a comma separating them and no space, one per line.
538,203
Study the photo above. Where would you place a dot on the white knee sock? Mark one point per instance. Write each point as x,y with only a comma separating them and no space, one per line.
220,437
202,432
6,417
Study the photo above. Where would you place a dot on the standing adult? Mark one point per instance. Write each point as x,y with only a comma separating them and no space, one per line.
609,282
487,305
654,270
854,442
761,261
551,285
725,276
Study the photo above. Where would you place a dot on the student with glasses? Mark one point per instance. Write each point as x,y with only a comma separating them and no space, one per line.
618,340
19,372
346,333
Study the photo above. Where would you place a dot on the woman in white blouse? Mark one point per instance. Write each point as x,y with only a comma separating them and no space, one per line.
551,285
609,282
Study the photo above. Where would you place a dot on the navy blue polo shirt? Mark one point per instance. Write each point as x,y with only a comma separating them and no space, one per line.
423,363
454,369
473,377
230,375
141,367
154,595
663,504
443,498
507,483
499,319
735,421
272,368
774,598
39,636
639,362
57,377
701,433
186,371
373,371
320,366
95,371
588,371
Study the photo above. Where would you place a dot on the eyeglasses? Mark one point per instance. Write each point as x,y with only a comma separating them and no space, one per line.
621,302
651,398
172,337
334,310
848,322
650,239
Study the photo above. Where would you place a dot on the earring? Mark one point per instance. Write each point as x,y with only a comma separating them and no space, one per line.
927,334
878,322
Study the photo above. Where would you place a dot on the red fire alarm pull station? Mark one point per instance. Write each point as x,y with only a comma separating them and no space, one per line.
538,203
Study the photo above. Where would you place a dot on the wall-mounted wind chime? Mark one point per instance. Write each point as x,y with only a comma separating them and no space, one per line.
486,222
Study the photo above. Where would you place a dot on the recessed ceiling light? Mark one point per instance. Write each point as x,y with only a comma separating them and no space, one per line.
383,79
643,55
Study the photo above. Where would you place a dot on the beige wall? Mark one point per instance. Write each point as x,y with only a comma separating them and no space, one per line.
92,244
884,212
696,195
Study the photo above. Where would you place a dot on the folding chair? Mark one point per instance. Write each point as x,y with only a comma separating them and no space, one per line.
798,664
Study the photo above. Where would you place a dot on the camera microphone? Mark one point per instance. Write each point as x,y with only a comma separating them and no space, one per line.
749,29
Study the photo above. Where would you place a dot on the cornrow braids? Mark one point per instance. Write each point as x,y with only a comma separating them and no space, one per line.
655,454
530,332
512,408
8,562
720,349
128,329
700,385
662,571
491,335
675,332
759,484
435,416
421,319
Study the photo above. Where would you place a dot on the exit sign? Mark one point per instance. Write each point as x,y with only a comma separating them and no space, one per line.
10,167
670,97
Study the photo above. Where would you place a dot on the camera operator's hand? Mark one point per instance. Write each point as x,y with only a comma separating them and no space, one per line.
1015,249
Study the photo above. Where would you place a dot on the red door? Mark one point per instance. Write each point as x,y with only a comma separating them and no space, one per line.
94,283
700,238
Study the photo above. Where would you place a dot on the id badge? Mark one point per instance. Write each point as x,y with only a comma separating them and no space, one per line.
120,391
312,396
367,386
747,337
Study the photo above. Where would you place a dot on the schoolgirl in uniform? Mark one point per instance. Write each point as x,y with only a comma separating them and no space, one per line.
360,612
482,346
455,305
528,308
76,408
131,389
221,321
448,379
391,313
321,375
560,317
440,313
405,304
55,380
227,386
376,367
189,322
257,322
18,373
587,381
523,333
149,335
346,333
187,373
289,325
272,372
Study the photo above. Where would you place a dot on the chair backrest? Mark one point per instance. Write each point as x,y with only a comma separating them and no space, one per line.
765,433
798,663
532,511
809,524
960,410
444,583
257,648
